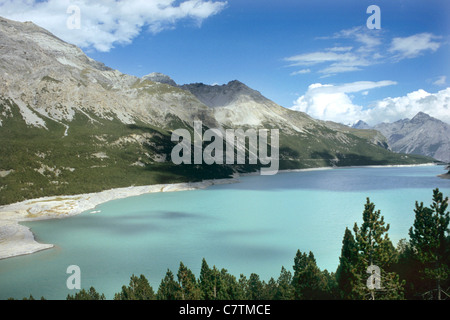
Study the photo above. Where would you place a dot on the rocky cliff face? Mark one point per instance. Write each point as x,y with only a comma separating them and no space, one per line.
161,78
69,124
56,79
422,134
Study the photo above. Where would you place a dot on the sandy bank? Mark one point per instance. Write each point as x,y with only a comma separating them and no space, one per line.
16,239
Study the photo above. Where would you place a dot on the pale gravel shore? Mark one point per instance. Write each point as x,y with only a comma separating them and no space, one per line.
16,239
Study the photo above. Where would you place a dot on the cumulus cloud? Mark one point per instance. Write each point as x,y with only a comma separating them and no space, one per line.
391,109
333,102
107,23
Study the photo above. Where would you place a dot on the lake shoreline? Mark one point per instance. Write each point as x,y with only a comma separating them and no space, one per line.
17,240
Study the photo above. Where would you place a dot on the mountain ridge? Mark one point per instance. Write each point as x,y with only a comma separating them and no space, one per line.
71,125
422,134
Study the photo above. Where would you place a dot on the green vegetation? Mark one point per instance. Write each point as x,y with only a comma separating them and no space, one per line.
416,269
96,155
99,154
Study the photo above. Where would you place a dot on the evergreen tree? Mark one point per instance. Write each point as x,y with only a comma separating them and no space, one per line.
331,287
308,281
408,268
92,294
255,287
138,289
375,250
429,241
270,289
346,273
285,290
206,281
217,285
232,289
190,289
169,289
221,284
244,287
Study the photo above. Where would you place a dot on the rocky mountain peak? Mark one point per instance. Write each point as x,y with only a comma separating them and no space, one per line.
361,125
161,78
421,117
422,134
223,95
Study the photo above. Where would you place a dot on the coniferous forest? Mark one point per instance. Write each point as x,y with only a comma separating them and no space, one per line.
370,268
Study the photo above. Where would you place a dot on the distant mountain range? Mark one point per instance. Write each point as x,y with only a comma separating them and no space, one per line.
70,125
423,135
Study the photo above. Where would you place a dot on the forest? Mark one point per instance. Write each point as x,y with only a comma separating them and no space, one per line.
370,268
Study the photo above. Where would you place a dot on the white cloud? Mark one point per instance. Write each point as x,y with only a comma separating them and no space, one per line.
391,109
368,48
109,22
319,57
368,38
441,81
333,102
338,61
340,49
415,45
302,71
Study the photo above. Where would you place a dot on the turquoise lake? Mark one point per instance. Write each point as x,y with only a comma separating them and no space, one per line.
254,226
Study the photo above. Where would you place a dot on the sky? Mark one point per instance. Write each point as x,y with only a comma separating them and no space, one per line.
323,57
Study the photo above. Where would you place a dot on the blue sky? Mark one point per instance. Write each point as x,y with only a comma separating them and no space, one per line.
314,56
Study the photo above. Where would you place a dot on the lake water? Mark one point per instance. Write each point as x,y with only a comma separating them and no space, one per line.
255,226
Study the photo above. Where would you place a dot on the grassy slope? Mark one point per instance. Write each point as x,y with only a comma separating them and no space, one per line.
74,167
68,165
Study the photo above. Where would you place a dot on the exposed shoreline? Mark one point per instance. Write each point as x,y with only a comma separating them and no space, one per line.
17,240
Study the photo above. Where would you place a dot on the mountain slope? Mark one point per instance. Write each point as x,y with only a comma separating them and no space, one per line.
304,142
56,79
422,135
69,124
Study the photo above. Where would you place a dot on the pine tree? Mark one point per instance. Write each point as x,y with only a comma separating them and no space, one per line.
190,289
346,273
269,289
138,289
429,238
375,250
285,290
308,281
169,289
408,268
230,287
244,287
92,294
255,287
206,281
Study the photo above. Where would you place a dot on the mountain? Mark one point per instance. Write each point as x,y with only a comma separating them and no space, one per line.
373,136
70,124
161,78
422,135
361,125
